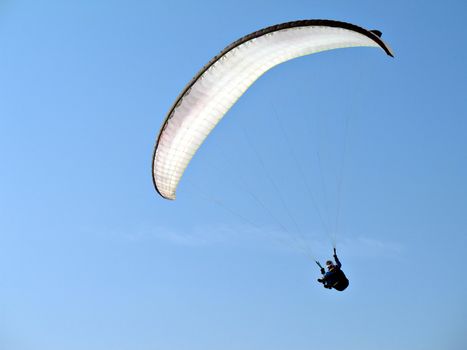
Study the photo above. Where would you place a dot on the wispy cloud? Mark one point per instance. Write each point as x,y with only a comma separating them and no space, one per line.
371,247
239,235
314,245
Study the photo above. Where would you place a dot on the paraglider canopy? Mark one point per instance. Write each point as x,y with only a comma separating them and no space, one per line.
218,85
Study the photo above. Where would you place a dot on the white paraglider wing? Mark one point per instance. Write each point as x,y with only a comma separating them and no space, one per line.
215,89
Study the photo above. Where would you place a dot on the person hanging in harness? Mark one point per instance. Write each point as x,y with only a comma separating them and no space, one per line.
334,277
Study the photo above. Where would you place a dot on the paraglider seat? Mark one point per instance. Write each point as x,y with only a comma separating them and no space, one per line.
341,282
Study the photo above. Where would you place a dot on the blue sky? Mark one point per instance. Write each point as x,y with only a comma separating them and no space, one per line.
91,257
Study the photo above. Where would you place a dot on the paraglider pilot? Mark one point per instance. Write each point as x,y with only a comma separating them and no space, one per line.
334,277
